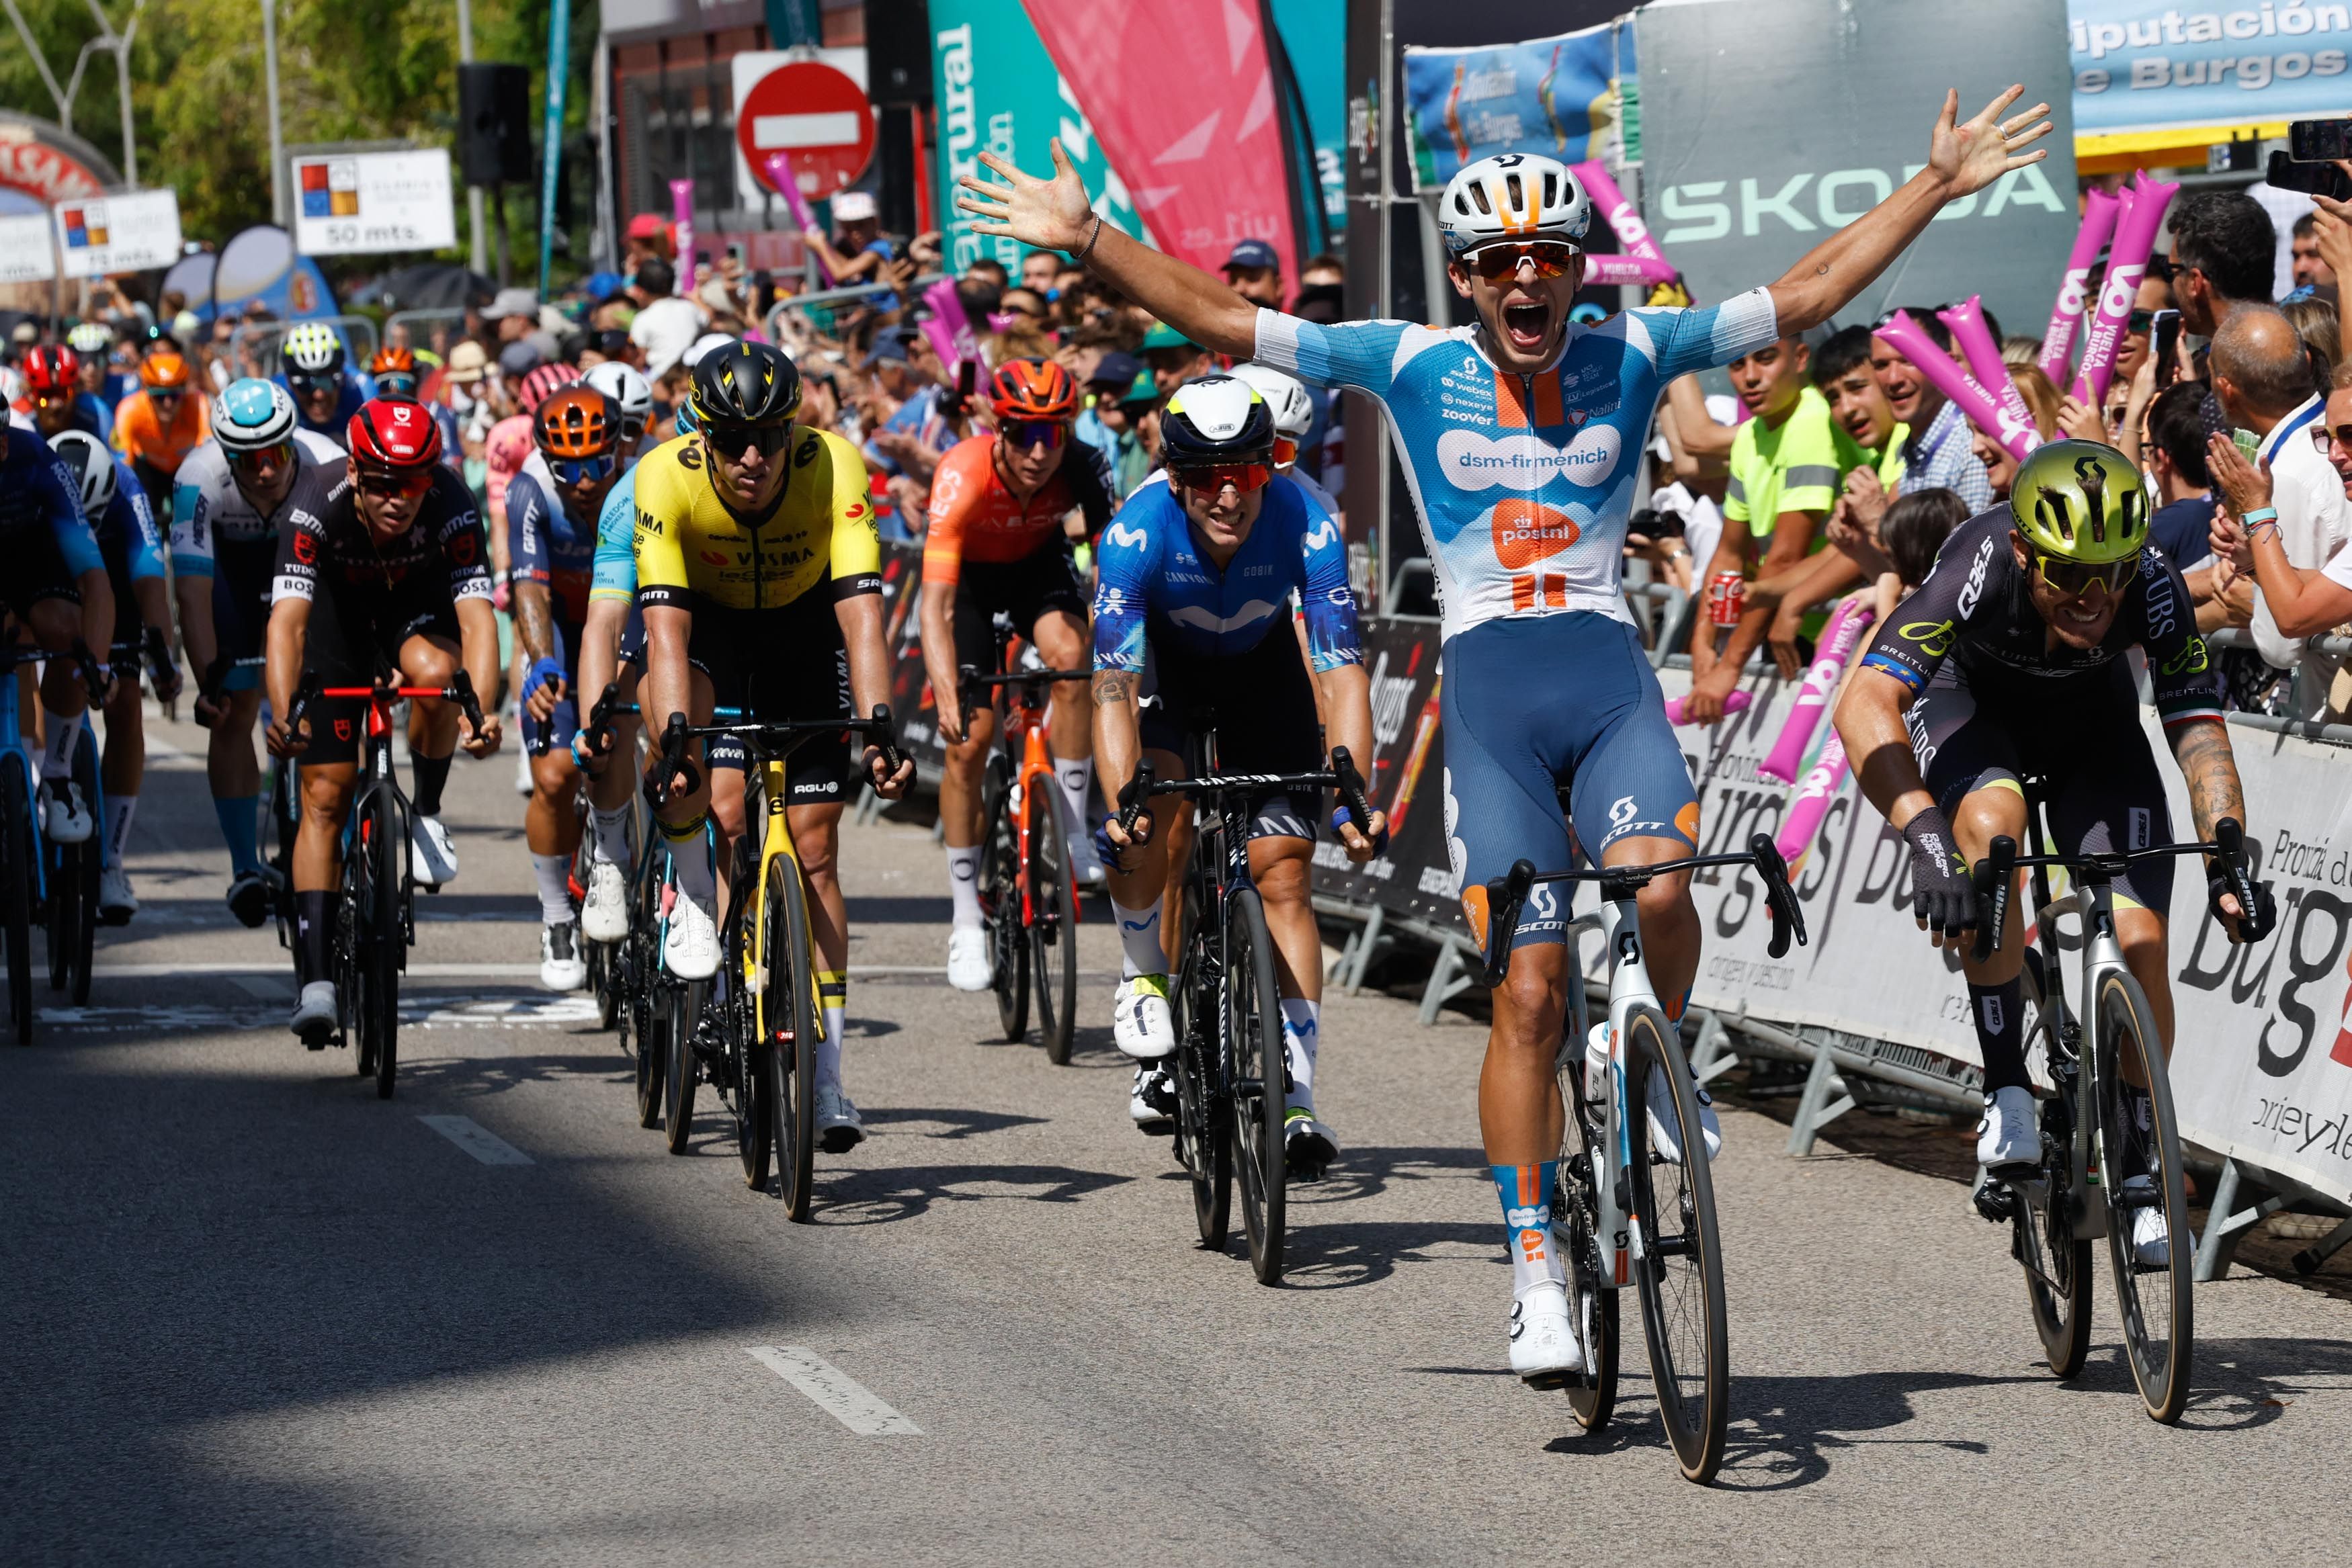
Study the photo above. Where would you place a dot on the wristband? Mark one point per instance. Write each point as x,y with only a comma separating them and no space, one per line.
2255,532
2259,515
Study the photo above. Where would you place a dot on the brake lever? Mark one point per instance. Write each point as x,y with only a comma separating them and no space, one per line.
673,764
461,689
1133,800
1996,882
299,708
1505,897
1788,915
1351,795
600,719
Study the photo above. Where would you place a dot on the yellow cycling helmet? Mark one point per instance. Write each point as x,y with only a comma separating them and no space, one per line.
2080,500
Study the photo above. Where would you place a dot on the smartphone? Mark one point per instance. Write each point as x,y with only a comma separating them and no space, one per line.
967,383
2312,179
2319,141
735,254
2164,342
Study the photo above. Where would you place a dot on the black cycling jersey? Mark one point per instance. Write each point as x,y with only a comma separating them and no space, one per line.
1975,609
443,550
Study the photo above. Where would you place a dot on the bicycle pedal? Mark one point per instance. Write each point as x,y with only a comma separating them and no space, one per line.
1994,1198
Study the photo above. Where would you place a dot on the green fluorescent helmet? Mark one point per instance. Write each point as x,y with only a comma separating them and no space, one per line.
2080,500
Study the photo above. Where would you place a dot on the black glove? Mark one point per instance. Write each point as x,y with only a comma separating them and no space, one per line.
2256,922
1942,897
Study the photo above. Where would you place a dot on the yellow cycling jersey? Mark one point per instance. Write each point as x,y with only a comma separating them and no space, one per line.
692,550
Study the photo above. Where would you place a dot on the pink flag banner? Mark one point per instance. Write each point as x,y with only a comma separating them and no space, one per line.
1201,149
1624,221
681,208
1810,803
1911,341
788,186
1846,627
2135,231
946,326
1602,270
1991,372
2099,210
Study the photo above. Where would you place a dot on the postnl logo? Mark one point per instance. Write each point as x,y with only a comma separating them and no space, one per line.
1526,532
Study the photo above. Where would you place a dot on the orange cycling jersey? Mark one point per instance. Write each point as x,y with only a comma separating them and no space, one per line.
141,437
976,517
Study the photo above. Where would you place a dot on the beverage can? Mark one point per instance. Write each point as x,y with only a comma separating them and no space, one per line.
1726,595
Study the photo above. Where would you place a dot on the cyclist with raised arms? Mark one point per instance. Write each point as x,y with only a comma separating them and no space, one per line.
759,574
551,539
392,570
118,513
2006,663
1520,436
995,545
1193,589
58,588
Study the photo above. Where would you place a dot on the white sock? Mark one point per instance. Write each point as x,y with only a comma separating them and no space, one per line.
1139,941
118,809
1076,780
833,993
963,885
1301,1028
57,759
611,834
554,874
690,861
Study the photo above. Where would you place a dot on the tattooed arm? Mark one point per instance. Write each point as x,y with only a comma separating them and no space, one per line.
1118,742
2201,748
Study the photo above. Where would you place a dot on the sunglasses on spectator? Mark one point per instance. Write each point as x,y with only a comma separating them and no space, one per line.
730,440
1028,432
582,470
414,482
1496,262
2073,578
1242,476
2341,437
277,457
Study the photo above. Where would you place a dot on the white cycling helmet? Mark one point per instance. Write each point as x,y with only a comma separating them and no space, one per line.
85,457
1286,394
90,337
313,349
252,415
624,386
1513,197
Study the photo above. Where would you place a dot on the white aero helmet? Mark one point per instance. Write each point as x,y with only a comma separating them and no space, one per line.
90,337
1294,410
1513,197
624,385
312,348
85,457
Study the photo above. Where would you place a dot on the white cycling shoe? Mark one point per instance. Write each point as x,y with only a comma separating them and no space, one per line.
560,966
839,1127
969,968
1663,1130
1140,1020
317,1014
434,857
2151,1242
116,903
1309,1145
2009,1133
1147,1101
65,815
1086,865
1544,1350
690,948
605,914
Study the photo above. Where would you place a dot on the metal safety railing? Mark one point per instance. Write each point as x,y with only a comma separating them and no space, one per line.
806,302
261,338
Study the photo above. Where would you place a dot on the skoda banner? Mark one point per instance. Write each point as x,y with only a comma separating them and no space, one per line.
1743,173
2140,66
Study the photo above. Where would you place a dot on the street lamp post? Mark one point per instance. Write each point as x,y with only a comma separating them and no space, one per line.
276,133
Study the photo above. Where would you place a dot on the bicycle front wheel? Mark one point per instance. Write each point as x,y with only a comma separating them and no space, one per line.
1676,1254
747,1049
1052,926
683,1002
1201,1146
787,1015
641,967
1000,905
1592,1299
1249,1017
2148,1243
16,873
385,941
2056,1261
59,914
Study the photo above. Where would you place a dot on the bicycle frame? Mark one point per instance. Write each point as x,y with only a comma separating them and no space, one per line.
1021,717
13,750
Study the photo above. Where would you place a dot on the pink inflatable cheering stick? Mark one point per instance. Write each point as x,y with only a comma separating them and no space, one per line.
2136,230
1600,270
1802,820
1736,702
2099,210
1991,372
946,326
1820,683
1911,341
1625,220
788,186
681,207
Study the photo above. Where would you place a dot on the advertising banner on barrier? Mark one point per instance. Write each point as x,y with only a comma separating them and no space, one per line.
2142,65
1554,96
28,252
128,232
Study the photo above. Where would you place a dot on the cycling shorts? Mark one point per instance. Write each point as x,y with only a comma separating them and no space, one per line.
779,664
242,581
2100,782
36,569
1535,705
539,739
350,636
1262,707
1046,579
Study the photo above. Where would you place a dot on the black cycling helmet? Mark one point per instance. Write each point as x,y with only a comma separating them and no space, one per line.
1215,420
745,383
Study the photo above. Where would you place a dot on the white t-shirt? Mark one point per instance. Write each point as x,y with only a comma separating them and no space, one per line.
2314,521
665,330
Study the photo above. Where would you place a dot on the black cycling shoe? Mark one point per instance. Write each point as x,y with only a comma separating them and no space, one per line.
248,899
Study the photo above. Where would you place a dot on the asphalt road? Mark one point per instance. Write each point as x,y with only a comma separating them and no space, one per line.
249,1313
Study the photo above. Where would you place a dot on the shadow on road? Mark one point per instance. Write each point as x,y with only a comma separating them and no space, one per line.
906,1192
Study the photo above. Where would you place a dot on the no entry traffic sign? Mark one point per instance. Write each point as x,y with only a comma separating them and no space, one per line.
816,116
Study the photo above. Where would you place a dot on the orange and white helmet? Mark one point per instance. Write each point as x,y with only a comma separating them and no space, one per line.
1513,197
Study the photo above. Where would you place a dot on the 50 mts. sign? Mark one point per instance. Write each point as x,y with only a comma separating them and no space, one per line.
350,203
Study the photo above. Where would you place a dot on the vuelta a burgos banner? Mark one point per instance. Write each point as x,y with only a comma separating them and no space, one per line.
1557,97
2141,65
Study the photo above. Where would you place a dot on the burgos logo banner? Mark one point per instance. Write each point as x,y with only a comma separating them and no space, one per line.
2139,66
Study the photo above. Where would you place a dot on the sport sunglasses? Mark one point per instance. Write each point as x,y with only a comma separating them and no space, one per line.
730,440
1028,432
414,482
1496,262
2073,578
395,383
582,470
1207,481
277,457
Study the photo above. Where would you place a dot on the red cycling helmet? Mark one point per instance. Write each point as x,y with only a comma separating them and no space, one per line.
548,379
1033,389
51,369
392,436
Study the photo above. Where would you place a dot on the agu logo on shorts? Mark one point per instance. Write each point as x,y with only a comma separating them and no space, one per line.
1526,531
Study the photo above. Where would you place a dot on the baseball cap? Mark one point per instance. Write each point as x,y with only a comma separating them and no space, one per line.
511,302
1253,253
647,226
1144,389
889,346
854,207
521,358
25,332
1117,369
467,361
1163,336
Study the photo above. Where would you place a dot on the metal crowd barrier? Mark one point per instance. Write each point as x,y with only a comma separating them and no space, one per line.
803,302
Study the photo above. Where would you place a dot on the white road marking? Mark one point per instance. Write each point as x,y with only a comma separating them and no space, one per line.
459,971
476,1140
839,1395
264,987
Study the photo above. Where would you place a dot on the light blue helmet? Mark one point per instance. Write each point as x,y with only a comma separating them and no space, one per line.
252,414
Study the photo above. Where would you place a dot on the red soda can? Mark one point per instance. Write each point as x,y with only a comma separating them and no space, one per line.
1726,595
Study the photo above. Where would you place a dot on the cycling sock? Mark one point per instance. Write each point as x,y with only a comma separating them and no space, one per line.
1997,1010
240,827
57,758
1301,1026
311,926
553,875
832,994
1525,1191
690,861
963,885
432,775
1077,780
1139,941
119,811
613,834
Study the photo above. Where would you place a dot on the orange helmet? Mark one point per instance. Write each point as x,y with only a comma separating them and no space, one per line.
577,421
1033,389
163,370
395,359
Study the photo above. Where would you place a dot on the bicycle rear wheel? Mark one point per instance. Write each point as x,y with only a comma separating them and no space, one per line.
641,965
1250,1019
683,1002
1591,1304
16,875
1053,927
755,1131
1676,1255
2154,1297
789,1020
1000,904
386,940
2057,1263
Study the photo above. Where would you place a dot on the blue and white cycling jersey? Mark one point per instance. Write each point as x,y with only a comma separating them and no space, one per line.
1151,573
127,534
38,491
1524,484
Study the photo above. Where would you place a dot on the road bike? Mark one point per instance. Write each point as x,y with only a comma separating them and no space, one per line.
2097,1172
602,959
69,872
1028,901
22,844
1637,1198
758,1042
373,913
1231,1072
